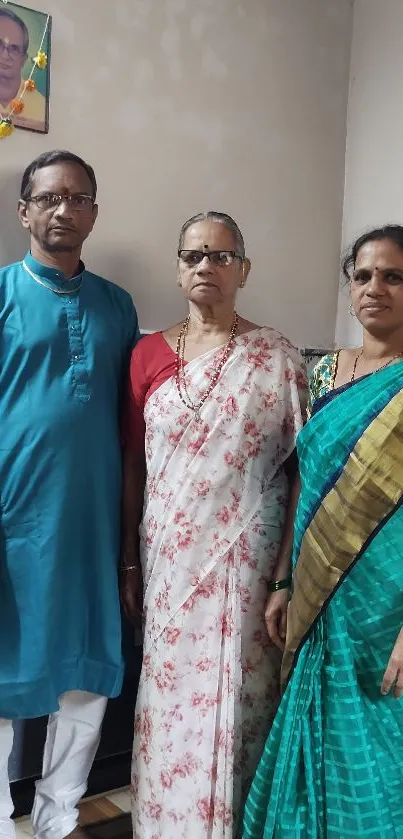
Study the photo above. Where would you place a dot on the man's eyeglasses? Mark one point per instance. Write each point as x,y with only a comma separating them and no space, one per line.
51,201
220,258
13,50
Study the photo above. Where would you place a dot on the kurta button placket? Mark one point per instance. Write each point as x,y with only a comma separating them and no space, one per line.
76,346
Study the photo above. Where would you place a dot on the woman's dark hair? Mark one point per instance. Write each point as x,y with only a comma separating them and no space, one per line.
393,232
48,158
15,19
221,218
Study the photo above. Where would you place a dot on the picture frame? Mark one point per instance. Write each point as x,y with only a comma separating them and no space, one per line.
25,34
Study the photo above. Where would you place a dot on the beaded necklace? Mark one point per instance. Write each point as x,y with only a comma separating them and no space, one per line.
180,378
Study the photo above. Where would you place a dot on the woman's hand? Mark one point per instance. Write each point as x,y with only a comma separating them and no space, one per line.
131,594
276,617
393,676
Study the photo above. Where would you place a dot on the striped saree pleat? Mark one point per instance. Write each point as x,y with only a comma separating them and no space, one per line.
332,767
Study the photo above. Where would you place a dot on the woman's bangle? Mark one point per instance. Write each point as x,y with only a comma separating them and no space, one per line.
277,585
130,568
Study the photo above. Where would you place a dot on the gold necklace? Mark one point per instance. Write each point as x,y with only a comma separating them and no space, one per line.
360,354
180,367
49,287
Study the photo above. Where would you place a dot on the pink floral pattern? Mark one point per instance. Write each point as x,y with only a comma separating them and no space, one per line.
213,515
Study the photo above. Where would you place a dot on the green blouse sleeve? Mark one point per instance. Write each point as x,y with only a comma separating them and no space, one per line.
321,379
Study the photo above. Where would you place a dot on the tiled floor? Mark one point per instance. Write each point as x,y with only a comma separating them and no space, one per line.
92,810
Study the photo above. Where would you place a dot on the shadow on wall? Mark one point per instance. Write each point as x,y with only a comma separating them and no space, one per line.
13,239
127,269
122,267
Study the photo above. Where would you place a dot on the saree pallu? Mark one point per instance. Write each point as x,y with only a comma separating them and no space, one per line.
333,763
214,508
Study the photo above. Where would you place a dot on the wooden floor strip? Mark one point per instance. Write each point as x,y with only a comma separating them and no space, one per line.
97,810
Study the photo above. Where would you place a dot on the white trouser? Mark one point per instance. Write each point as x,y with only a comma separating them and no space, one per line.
72,740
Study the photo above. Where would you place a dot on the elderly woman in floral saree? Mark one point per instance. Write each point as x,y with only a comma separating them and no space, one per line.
216,401
333,763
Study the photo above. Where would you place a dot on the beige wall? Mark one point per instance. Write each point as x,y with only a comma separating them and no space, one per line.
185,105
374,156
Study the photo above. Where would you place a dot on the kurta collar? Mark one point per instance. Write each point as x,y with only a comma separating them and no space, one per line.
51,275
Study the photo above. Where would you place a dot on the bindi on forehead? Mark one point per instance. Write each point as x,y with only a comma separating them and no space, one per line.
217,237
10,33
64,177
373,269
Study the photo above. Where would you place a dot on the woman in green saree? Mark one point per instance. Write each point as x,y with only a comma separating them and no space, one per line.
333,762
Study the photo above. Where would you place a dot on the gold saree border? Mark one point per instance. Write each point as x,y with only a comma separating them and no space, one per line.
365,494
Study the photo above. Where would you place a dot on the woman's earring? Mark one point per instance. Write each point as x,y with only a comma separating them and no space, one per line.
352,312
242,284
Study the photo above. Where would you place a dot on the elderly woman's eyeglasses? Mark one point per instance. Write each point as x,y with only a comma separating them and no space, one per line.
220,258
50,201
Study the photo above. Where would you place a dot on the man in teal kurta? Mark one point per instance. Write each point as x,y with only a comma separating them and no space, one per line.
66,337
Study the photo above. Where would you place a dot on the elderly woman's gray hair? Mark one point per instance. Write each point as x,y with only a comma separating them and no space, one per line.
221,218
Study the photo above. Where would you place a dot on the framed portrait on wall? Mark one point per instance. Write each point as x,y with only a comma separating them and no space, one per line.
25,39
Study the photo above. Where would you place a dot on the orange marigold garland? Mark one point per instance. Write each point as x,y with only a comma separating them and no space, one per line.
17,106
29,84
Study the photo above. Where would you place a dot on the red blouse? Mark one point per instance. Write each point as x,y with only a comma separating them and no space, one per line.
153,362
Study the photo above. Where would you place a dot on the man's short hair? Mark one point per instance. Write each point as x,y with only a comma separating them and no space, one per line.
49,158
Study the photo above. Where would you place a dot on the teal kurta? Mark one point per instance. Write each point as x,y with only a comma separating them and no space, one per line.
63,358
